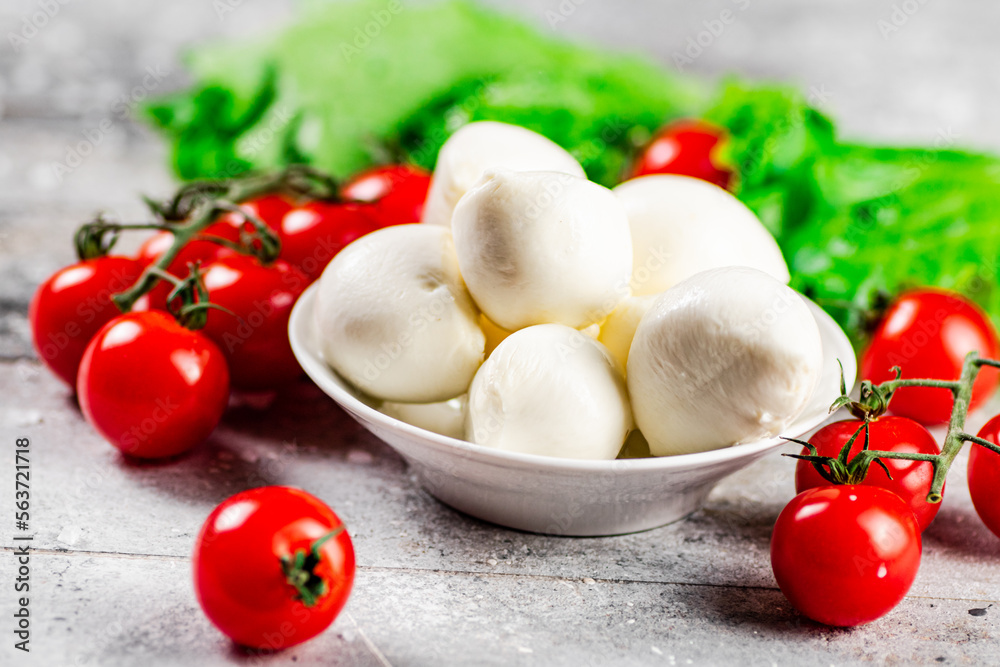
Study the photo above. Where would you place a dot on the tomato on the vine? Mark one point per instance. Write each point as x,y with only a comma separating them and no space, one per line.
273,567
398,192
685,147
194,251
311,235
845,555
270,208
72,305
984,477
254,334
151,387
927,333
911,480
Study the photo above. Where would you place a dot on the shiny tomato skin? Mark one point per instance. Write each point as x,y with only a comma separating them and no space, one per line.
398,192
72,305
984,477
845,555
194,251
311,235
911,480
927,333
238,577
151,387
269,208
254,338
684,147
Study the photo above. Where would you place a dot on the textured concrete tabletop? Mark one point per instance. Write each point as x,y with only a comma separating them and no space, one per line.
110,582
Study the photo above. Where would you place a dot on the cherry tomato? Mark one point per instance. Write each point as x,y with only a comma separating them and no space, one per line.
984,477
927,333
684,147
845,555
254,334
397,190
313,234
269,208
238,574
72,305
194,251
911,480
151,387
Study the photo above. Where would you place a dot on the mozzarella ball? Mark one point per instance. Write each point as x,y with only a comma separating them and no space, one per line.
446,417
618,330
543,247
682,226
484,145
394,317
728,356
553,391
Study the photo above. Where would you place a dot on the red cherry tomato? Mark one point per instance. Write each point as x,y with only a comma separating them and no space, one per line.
984,477
397,190
684,147
151,387
194,251
927,333
313,234
238,574
269,208
72,305
845,555
911,480
254,335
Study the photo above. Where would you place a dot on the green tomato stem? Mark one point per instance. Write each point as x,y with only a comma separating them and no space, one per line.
204,215
956,437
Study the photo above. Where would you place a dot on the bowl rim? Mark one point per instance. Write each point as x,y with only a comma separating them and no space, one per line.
336,387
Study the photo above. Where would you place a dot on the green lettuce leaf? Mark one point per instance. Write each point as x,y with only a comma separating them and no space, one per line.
349,83
854,220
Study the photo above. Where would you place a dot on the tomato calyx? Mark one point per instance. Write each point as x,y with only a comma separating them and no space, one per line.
874,398
96,238
842,469
299,569
188,301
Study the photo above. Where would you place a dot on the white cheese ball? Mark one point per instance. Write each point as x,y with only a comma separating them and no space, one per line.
484,145
728,356
446,417
682,226
542,247
618,330
394,317
553,391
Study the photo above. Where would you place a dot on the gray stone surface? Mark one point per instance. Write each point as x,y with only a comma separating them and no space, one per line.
111,582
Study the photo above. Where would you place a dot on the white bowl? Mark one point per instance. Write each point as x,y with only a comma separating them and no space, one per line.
556,496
